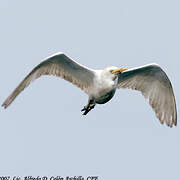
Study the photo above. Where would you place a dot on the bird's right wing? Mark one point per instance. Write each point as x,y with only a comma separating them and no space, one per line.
57,65
155,85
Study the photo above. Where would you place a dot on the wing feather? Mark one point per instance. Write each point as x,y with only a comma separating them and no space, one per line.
57,65
154,85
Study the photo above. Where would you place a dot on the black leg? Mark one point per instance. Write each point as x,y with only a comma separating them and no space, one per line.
91,104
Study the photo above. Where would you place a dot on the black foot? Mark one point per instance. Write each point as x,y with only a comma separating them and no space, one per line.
83,109
86,109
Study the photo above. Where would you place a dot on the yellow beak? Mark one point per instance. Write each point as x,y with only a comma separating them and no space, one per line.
118,71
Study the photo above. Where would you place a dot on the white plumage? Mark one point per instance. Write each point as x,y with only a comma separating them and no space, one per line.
100,85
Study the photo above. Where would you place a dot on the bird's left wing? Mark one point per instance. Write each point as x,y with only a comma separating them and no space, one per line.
154,84
57,65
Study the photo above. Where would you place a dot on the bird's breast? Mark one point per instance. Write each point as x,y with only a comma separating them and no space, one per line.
103,88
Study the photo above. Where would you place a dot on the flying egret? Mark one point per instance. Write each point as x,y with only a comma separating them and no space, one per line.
100,85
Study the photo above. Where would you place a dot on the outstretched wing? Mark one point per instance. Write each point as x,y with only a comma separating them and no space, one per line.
58,65
155,85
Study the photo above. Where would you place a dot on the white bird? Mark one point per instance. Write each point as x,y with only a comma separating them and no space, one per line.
100,85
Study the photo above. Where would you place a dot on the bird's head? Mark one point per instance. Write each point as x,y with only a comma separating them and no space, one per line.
112,72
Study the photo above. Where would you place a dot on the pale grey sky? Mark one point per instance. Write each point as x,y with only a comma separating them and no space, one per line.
43,131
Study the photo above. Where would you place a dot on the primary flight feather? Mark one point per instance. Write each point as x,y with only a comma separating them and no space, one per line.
100,85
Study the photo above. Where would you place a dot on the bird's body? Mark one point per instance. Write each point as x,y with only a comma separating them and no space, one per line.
104,86
101,85
107,96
